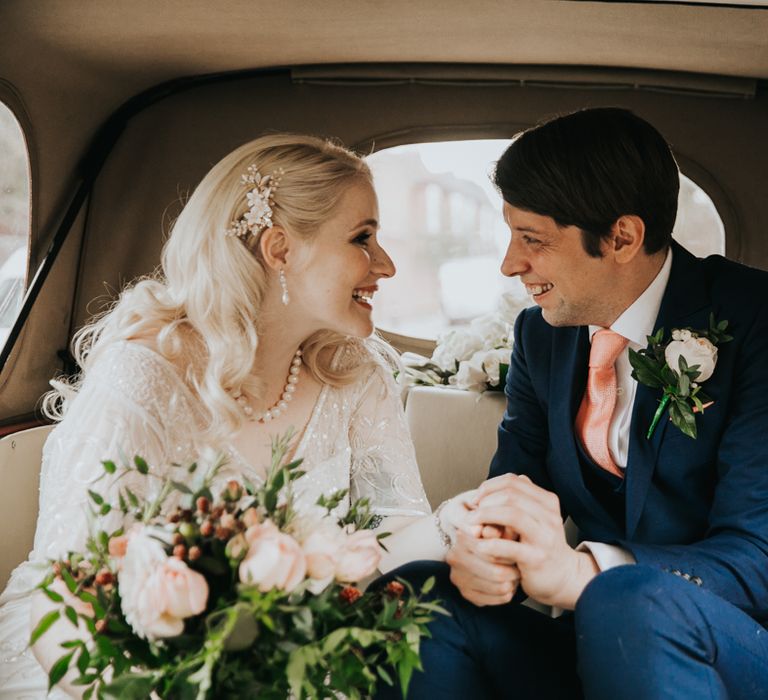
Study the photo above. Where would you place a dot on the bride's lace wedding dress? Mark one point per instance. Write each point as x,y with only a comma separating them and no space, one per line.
133,401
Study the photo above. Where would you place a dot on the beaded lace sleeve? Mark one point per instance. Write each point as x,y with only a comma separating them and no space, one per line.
131,402
384,465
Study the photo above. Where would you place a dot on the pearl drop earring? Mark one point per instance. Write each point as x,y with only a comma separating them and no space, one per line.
284,286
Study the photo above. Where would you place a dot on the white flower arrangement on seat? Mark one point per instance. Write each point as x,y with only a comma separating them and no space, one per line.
472,359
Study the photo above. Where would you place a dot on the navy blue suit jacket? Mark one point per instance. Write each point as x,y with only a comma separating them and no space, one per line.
696,506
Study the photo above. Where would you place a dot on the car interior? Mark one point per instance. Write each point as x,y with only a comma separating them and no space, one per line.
123,107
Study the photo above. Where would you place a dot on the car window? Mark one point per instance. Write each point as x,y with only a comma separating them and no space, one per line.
441,223
14,219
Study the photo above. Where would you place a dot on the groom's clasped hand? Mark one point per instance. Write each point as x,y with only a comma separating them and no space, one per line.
513,534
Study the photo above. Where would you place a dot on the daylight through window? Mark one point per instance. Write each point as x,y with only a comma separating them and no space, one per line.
14,219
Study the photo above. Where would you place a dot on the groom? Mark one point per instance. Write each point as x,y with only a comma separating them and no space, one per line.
667,594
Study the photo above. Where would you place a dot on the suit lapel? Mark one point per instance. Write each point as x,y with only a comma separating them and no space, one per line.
686,295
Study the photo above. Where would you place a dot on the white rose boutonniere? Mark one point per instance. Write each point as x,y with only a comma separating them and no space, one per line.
697,351
678,367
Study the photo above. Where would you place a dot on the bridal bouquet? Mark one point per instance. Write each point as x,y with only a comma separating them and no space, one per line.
231,595
475,358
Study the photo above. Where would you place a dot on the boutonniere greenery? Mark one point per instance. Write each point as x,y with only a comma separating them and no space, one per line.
678,366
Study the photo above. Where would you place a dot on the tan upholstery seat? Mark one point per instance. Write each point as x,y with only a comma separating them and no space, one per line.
454,433
20,456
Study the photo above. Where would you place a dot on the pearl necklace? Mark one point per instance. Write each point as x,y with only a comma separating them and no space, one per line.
282,403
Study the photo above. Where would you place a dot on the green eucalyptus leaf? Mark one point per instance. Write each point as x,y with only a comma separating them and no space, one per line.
332,641
55,597
68,579
131,496
296,671
384,675
71,614
131,686
84,660
179,486
72,644
59,669
503,371
44,625
688,425
141,466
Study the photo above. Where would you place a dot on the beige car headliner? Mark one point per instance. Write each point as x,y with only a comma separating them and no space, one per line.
73,62
67,65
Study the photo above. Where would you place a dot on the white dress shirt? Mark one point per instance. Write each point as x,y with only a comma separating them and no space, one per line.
635,324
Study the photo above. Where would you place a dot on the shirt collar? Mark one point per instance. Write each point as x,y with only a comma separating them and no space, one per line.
637,320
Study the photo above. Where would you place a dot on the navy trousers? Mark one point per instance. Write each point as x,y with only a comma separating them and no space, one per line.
638,633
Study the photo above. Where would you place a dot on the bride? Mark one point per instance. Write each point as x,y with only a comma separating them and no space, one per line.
260,321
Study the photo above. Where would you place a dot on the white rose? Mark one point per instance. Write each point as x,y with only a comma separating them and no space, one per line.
696,351
679,334
482,369
455,346
156,591
492,329
492,361
471,375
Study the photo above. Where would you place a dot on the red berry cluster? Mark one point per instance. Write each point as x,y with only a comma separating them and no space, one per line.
350,594
207,521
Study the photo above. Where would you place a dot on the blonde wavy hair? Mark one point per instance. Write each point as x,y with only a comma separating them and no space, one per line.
205,300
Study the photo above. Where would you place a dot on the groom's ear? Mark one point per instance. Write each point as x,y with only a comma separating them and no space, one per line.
274,246
627,238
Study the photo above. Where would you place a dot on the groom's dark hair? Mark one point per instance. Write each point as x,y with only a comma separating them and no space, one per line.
588,168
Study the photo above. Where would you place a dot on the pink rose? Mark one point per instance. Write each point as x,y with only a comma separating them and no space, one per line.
322,549
172,593
273,560
157,592
118,546
359,556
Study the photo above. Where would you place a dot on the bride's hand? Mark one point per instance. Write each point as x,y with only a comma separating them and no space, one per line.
454,512
47,649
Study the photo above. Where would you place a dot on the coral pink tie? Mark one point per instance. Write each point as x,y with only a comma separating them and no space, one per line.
594,417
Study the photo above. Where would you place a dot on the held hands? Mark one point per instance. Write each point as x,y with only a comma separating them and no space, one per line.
481,579
516,534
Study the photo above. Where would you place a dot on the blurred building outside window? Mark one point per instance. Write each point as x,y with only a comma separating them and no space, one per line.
14,219
441,223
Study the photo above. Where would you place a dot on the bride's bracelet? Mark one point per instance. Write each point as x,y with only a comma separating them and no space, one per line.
445,538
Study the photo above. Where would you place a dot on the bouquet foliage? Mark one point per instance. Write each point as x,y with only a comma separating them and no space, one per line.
230,596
